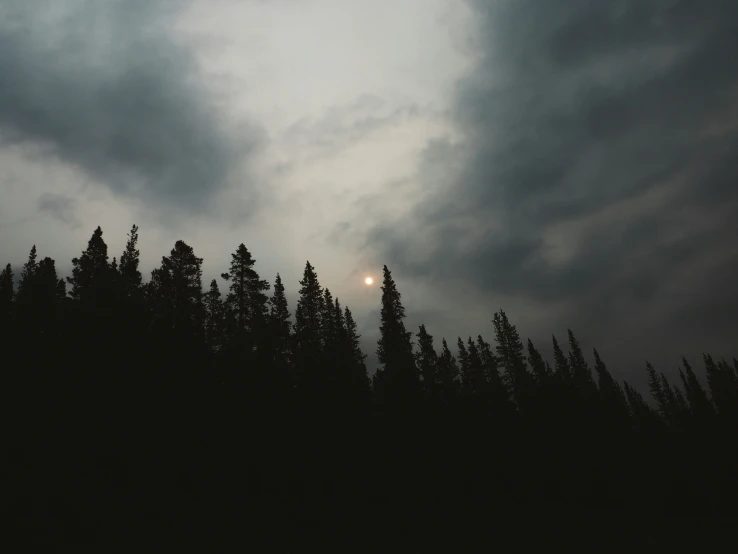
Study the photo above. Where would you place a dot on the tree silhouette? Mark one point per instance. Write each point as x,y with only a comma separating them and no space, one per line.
7,292
247,299
397,375
162,402
427,361
280,331
214,316
92,275
129,264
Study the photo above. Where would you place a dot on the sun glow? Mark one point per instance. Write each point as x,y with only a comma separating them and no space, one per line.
368,280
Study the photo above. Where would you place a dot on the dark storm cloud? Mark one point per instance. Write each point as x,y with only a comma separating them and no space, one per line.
103,86
612,124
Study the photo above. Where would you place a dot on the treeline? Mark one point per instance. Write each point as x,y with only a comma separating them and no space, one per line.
161,401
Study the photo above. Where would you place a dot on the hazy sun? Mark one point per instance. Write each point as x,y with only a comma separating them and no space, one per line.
368,280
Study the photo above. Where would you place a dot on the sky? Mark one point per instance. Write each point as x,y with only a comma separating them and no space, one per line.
571,162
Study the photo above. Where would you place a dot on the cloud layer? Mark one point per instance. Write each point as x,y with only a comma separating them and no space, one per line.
105,87
597,176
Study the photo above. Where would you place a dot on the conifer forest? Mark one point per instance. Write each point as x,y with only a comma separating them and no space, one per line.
165,406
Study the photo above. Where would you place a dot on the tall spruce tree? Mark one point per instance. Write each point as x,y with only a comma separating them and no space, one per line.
398,374
448,372
427,360
308,329
655,388
700,405
247,299
358,358
92,275
214,316
129,264
25,285
491,370
511,354
176,289
7,292
723,386
465,370
580,372
563,371
280,327
539,366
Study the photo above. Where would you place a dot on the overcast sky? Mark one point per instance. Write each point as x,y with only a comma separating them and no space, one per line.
572,162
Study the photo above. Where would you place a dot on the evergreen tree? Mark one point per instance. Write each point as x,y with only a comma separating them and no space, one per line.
723,386
214,316
643,416
447,372
477,374
511,354
578,366
308,328
563,372
7,292
465,369
129,262
176,289
426,360
541,371
92,276
609,388
358,358
655,388
490,365
700,406
28,272
280,326
329,326
398,373
613,397
247,299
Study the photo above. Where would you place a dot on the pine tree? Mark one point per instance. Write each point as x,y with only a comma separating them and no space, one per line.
25,285
247,299
329,325
448,372
477,377
426,360
38,298
358,358
308,329
7,292
129,262
465,369
490,366
214,317
610,391
563,372
538,365
655,388
511,354
578,366
723,386
176,289
280,326
700,406
91,278
399,375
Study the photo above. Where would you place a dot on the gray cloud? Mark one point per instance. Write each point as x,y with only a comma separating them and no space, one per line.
60,207
597,172
104,86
